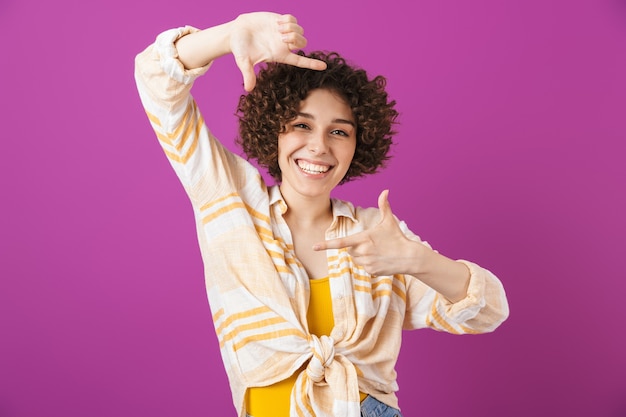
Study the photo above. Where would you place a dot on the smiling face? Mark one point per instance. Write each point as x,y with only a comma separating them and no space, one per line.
316,149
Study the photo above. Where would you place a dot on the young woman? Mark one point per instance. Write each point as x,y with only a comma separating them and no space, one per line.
309,294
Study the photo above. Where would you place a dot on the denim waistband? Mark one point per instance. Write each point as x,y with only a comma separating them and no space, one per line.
371,407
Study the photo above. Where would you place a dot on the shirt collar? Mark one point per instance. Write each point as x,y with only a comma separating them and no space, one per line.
340,208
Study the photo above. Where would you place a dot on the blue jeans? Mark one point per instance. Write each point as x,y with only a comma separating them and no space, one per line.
371,407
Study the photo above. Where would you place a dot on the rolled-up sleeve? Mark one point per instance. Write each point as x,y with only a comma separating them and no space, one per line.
483,309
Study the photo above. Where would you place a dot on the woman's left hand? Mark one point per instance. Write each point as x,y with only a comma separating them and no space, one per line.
383,249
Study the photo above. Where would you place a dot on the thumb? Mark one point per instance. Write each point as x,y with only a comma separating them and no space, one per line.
384,206
247,71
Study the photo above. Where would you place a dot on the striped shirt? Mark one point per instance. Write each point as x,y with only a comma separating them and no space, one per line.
257,289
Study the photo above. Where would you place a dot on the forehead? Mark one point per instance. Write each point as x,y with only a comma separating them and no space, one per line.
325,102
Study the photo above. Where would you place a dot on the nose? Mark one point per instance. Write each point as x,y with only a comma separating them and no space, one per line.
318,144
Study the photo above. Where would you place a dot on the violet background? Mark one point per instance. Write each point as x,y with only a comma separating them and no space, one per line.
510,153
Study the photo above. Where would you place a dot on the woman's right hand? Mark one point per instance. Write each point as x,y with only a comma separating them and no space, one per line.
268,37
252,38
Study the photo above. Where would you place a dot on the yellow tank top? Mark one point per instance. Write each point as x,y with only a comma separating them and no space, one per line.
274,400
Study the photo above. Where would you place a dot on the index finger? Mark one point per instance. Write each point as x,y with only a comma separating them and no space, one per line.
338,243
304,62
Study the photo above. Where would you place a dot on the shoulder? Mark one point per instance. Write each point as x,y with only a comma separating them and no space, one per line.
368,216
364,216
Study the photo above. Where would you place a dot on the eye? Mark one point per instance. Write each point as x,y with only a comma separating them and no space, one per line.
301,126
339,132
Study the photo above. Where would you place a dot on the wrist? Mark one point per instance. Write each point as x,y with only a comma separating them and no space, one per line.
200,48
424,259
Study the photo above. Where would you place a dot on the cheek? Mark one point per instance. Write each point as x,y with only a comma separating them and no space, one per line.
349,151
282,153
280,148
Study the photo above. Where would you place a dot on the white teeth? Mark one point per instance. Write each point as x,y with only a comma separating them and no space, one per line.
312,168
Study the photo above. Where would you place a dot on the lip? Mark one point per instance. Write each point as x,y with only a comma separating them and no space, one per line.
311,175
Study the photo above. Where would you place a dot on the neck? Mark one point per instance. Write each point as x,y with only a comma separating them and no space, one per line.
307,211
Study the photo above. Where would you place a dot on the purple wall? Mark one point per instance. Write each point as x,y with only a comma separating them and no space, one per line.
510,153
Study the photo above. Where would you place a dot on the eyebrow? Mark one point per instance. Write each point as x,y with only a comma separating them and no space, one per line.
344,121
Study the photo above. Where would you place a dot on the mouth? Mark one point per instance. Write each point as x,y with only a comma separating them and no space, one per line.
311,168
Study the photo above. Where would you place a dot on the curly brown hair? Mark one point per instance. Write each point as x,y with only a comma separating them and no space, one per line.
265,112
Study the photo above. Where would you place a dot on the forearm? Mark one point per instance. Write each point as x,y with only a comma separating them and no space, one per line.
199,49
446,276
164,88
